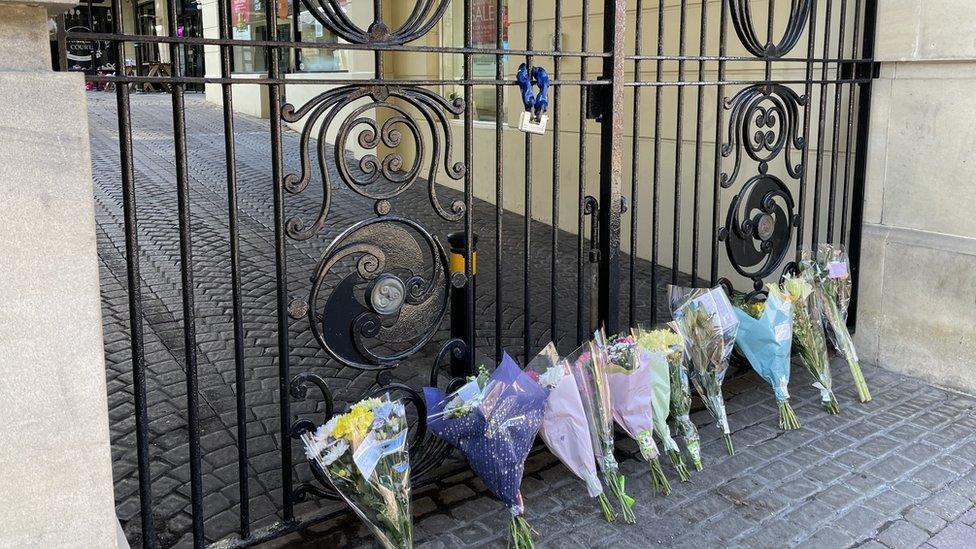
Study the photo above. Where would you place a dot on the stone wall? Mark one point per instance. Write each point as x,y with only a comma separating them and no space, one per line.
55,463
917,312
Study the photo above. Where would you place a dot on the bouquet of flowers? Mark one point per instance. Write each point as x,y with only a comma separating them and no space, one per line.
564,426
588,366
832,275
808,333
363,453
706,321
764,337
671,344
493,420
662,350
631,393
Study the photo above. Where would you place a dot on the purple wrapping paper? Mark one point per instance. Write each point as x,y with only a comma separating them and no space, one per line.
567,433
496,436
631,393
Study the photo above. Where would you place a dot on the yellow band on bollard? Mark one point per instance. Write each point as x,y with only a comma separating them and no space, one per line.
457,263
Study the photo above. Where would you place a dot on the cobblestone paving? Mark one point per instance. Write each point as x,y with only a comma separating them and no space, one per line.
898,471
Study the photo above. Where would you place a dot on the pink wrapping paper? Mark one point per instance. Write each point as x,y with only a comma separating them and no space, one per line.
566,432
631,394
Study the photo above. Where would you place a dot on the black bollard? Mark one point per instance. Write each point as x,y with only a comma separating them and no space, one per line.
460,328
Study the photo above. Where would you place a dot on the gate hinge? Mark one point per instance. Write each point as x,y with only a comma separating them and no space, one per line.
598,100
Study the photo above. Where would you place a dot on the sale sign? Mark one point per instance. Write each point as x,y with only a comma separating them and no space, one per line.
484,33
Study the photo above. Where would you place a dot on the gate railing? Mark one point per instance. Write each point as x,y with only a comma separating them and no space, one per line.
379,288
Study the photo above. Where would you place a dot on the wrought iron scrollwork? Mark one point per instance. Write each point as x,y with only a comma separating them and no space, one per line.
379,179
425,14
742,22
381,288
764,124
387,287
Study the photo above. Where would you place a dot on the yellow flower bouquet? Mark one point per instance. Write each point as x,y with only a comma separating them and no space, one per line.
363,454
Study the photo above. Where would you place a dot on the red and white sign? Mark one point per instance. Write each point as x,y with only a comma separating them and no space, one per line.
484,23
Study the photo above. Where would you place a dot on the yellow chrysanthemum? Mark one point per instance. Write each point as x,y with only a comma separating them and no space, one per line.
353,424
754,308
368,404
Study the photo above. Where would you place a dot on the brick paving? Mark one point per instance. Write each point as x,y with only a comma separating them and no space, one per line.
897,472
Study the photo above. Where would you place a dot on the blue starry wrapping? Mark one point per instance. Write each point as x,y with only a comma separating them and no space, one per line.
766,341
496,436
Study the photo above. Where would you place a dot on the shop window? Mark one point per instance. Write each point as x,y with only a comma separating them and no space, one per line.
249,21
319,60
484,35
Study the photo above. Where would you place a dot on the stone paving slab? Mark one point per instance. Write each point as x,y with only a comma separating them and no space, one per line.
896,471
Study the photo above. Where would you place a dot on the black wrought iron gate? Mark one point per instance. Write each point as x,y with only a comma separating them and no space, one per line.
395,203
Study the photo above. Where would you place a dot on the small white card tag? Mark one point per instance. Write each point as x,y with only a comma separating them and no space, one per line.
528,124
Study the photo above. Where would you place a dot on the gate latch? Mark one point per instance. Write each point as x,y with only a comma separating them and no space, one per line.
592,208
534,117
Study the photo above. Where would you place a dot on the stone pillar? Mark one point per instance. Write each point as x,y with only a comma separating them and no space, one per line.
916,311
55,459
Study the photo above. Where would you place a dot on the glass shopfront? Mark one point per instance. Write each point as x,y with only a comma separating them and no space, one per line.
249,20
484,35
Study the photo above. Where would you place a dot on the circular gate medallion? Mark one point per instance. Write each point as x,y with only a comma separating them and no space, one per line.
388,294
765,225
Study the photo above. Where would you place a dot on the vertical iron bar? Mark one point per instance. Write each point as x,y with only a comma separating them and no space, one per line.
186,271
770,18
527,233
634,167
861,157
679,142
137,47
581,328
281,272
469,179
719,119
499,178
133,283
820,130
611,164
655,189
700,106
807,93
296,31
553,265
93,43
832,195
230,158
855,66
